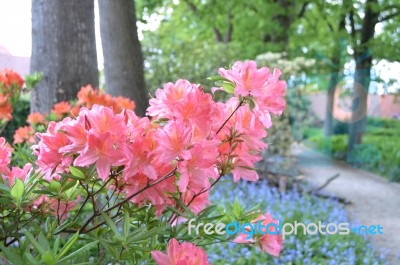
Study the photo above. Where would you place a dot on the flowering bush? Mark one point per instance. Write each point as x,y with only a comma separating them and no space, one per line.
87,97
126,185
10,88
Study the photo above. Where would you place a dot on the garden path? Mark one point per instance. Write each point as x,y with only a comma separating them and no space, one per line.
374,200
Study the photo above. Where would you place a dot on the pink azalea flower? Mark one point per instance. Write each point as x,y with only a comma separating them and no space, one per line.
139,160
248,79
5,156
76,133
20,173
184,102
49,157
102,119
163,105
101,150
265,88
174,140
196,171
270,243
273,100
181,254
274,90
136,127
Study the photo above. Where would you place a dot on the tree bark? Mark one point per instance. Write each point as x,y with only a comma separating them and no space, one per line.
359,105
330,95
63,50
362,76
123,61
337,62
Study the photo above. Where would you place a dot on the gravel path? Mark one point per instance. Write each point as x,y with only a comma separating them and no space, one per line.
374,200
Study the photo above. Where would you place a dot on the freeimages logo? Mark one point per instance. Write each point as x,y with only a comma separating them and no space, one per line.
284,229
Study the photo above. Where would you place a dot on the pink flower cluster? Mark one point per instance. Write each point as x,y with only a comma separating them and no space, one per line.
265,87
190,136
189,131
5,159
10,174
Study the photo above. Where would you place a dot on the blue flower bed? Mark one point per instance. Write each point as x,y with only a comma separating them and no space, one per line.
298,249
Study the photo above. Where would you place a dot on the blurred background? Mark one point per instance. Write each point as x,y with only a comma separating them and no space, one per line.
339,137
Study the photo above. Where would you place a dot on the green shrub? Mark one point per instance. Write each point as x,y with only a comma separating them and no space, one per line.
383,131
389,149
379,152
383,123
311,132
335,146
365,153
340,127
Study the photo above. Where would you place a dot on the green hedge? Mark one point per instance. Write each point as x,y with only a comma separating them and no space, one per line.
379,152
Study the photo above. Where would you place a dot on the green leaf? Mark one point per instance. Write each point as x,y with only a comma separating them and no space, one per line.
127,223
228,87
56,245
18,190
33,79
218,78
146,234
110,223
160,121
251,103
207,211
110,249
68,245
78,252
36,244
5,200
43,241
77,173
12,256
176,211
184,207
48,258
45,192
55,186
65,225
31,259
4,188
68,185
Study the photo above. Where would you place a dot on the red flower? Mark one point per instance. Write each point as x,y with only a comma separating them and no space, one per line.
8,77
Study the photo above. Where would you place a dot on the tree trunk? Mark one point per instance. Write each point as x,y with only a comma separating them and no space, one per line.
337,62
359,106
123,62
362,77
63,49
330,96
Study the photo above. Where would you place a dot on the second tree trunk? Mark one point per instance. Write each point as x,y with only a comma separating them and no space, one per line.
123,62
